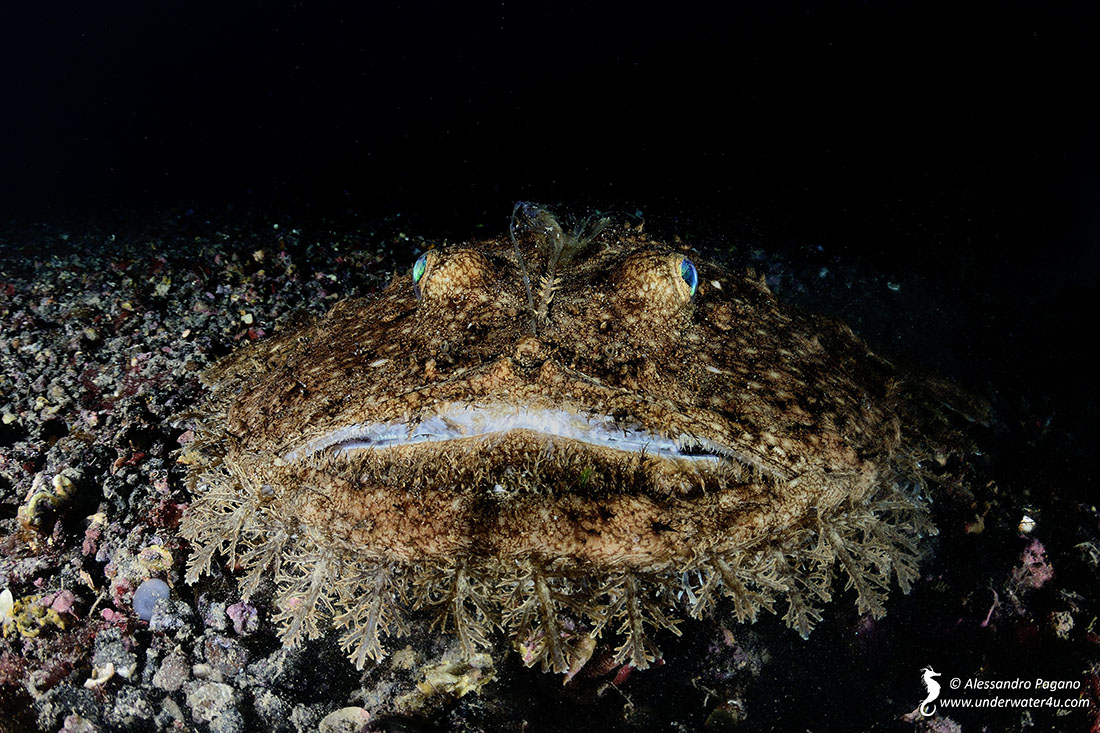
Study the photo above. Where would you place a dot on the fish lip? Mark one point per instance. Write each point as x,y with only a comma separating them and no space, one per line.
455,421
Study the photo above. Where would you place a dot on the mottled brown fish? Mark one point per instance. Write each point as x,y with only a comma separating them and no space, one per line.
557,432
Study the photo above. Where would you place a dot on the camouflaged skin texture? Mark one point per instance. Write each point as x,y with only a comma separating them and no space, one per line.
800,452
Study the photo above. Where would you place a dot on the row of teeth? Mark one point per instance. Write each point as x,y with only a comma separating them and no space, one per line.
460,421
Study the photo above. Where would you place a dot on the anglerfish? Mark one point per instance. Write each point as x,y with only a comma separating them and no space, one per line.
560,433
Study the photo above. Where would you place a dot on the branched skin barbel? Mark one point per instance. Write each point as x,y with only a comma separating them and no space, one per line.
561,434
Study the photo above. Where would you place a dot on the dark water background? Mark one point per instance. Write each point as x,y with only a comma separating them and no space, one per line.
952,150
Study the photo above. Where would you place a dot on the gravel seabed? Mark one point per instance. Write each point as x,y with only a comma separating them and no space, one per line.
104,329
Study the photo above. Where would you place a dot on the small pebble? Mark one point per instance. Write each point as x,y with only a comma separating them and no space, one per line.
215,703
147,595
245,618
75,723
345,720
214,616
224,654
168,616
173,672
111,652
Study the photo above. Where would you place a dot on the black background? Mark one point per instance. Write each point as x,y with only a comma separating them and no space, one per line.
903,123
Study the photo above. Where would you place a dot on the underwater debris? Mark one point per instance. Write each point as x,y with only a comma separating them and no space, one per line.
457,678
31,615
43,498
100,676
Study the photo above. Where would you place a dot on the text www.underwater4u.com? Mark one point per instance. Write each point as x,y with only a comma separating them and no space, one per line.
996,701
1014,702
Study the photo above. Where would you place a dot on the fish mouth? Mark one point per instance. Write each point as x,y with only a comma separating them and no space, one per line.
454,422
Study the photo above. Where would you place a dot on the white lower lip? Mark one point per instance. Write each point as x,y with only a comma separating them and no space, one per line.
457,421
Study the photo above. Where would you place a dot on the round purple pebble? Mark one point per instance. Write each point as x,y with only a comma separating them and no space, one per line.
147,595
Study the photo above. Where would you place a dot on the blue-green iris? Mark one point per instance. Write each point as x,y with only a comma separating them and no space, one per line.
419,267
690,275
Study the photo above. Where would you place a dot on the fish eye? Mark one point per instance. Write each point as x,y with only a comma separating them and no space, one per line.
419,268
690,275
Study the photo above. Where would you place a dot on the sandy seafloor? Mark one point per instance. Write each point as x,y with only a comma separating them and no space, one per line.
105,325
